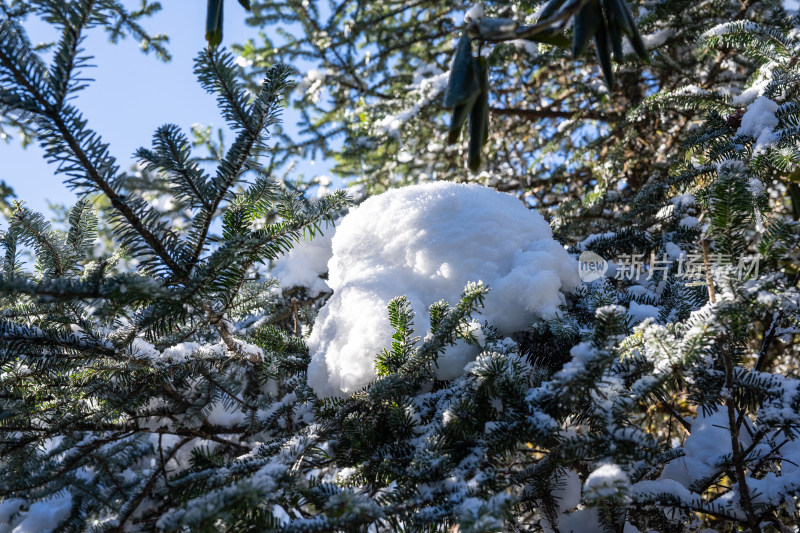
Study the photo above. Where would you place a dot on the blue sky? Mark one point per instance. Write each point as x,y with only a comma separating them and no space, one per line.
132,95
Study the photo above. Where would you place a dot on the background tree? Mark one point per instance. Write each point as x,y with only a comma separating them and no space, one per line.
558,136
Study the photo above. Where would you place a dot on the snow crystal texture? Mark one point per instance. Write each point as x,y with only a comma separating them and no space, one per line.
427,242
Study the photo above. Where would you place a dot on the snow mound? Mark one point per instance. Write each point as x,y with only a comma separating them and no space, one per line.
427,242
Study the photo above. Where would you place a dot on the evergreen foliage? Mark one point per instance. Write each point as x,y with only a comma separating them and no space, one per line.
162,386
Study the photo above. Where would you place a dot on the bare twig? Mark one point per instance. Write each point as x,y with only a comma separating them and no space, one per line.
296,318
712,295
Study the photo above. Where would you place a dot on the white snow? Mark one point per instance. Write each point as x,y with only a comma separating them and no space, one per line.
651,41
705,448
640,312
758,86
639,290
673,251
759,122
690,89
689,222
567,491
607,481
581,353
648,489
581,521
243,62
474,13
530,47
477,332
665,212
780,409
184,351
9,513
427,242
305,263
221,414
684,200
726,27
280,514
41,517
584,244
662,348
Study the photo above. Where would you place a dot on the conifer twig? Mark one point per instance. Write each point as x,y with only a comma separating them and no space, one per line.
712,295
738,459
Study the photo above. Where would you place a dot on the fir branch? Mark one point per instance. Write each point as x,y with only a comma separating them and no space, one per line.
71,138
262,113
66,57
132,504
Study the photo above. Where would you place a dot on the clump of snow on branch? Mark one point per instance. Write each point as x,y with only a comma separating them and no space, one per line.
641,312
762,79
474,13
606,482
427,242
759,122
651,41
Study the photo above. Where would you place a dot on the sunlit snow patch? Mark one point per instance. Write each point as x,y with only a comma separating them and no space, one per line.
427,242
